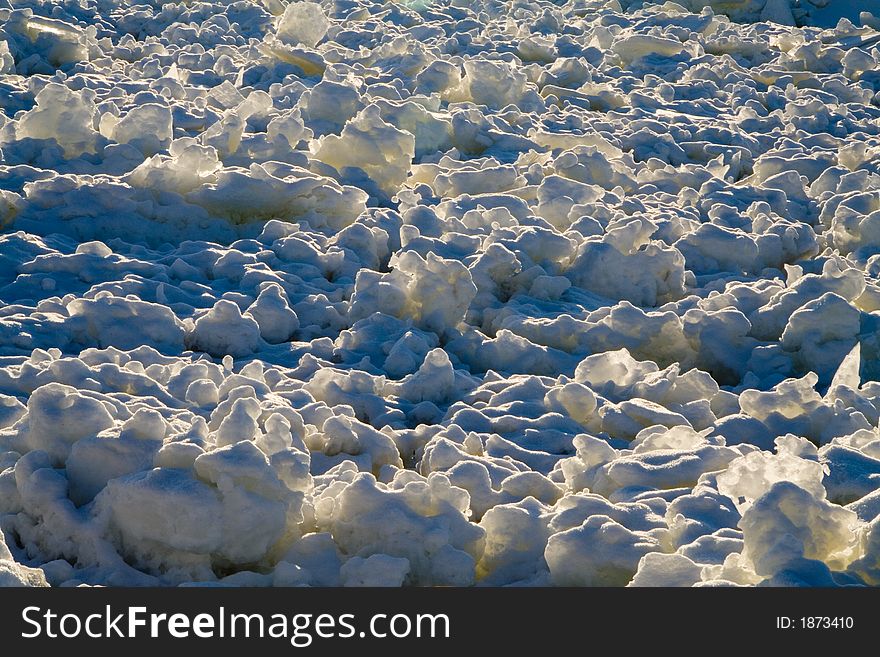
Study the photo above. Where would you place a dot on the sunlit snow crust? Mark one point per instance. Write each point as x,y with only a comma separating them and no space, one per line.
439,293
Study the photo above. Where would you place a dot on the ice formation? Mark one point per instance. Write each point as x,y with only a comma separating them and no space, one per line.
383,293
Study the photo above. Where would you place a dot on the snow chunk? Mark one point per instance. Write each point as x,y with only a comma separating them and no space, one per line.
751,476
148,127
619,269
95,460
302,22
600,552
11,411
789,523
516,535
851,474
16,574
165,506
59,416
658,569
433,381
63,115
423,521
171,512
368,144
637,46
822,333
434,292
375,570
496,84
224,330
125,323
273,314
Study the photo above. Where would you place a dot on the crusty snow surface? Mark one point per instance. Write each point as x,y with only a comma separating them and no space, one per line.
439,293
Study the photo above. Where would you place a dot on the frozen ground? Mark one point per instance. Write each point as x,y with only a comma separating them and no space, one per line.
439,293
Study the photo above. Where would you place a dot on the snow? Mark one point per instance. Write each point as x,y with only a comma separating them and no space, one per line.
391,294
600,552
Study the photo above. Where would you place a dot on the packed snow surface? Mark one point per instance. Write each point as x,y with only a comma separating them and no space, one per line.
439,293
